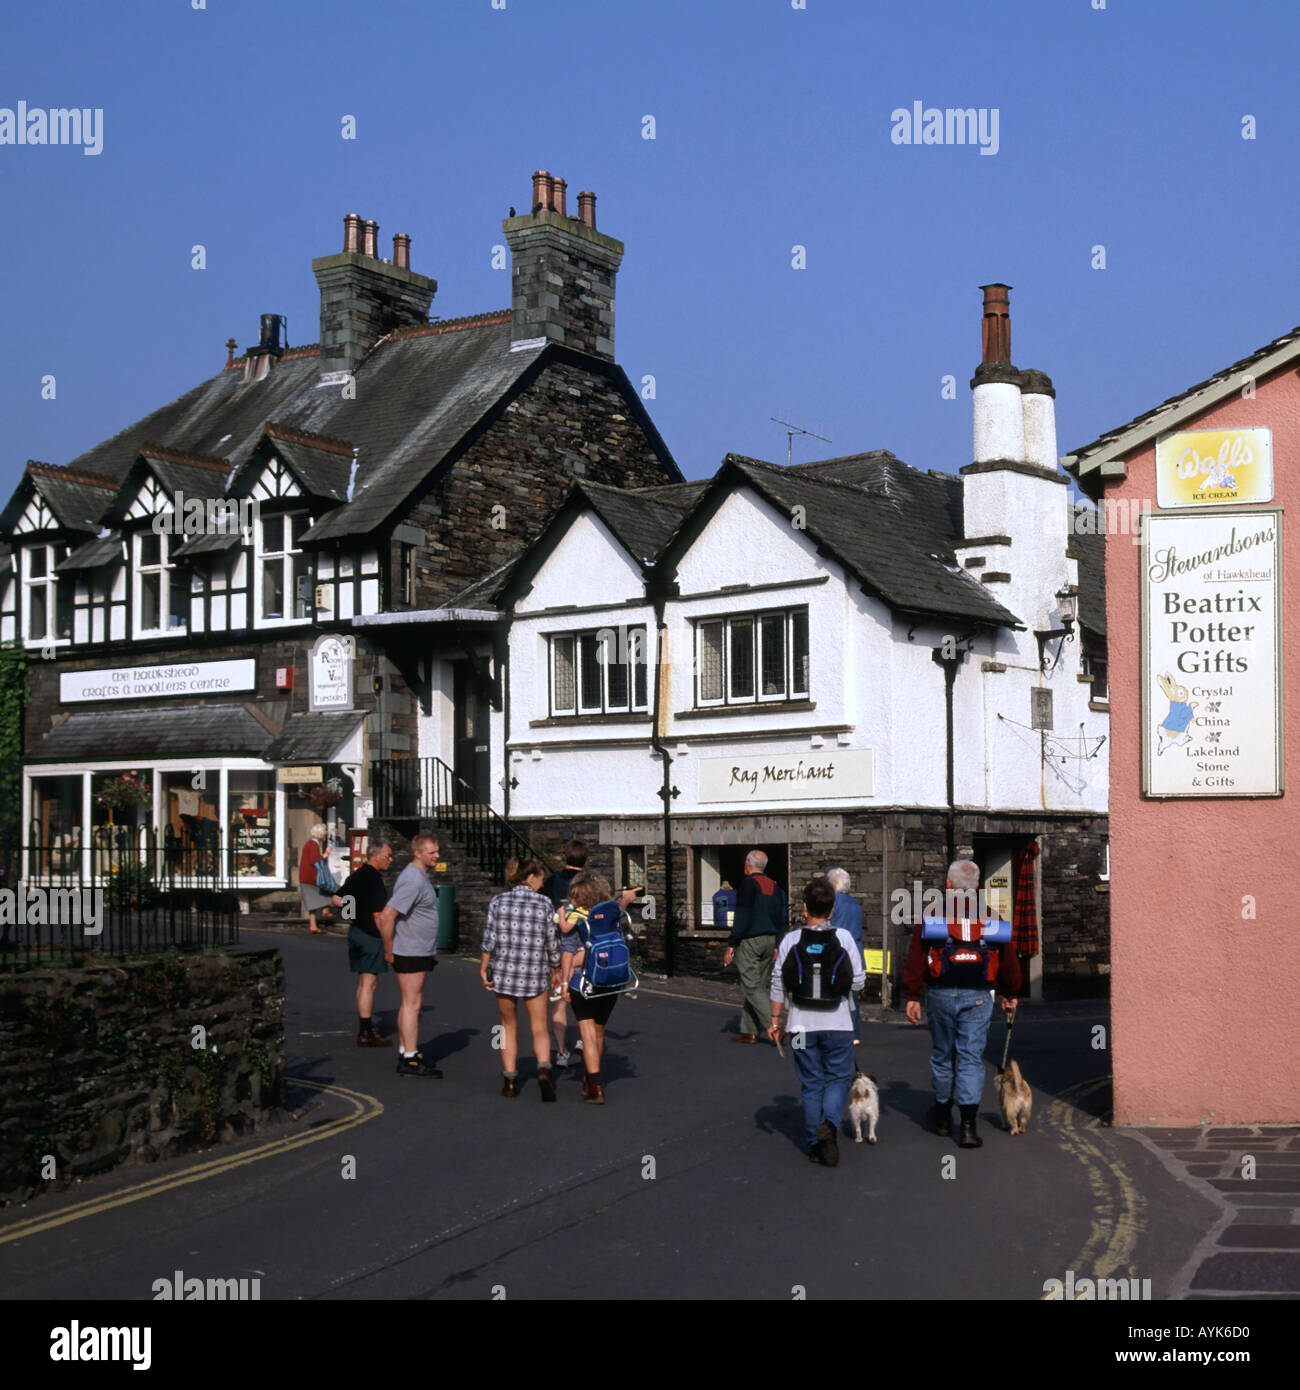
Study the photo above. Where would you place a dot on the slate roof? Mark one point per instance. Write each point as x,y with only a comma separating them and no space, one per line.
313,738
156,733
1091,551
1201,396
77,498
321,463
100,551
898,543
642,518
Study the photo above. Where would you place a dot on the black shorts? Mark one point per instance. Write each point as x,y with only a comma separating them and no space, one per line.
597,1009
413,965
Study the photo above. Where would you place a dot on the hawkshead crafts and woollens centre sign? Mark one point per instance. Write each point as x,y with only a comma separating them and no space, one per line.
1212,654
837,772
1214,468
148,682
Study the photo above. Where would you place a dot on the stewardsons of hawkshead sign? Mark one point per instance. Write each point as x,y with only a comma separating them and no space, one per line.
837,772
145,682
1212,654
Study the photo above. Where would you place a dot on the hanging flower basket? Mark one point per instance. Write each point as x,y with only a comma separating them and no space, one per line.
324,795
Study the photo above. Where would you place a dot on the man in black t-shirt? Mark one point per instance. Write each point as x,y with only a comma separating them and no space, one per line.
575,859
363,897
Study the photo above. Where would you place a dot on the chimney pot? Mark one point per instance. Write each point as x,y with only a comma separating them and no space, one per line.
352,232
558,201
541,190
995,329
402,251
370,239
587,208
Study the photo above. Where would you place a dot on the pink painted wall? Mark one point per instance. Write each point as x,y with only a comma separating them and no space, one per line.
1215,1036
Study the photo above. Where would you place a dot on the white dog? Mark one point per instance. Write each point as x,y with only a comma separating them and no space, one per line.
864,1104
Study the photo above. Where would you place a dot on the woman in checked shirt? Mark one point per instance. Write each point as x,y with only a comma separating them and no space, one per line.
521,945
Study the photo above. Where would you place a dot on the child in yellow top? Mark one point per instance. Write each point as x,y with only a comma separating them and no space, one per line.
586,890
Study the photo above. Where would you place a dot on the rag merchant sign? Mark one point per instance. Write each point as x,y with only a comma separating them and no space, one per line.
146,682
1212,654
838,772
1208,468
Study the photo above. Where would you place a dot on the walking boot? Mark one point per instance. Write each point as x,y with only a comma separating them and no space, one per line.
367,1037
939,1117
828,1149
969,1138
593,1090
510,1086
545,1084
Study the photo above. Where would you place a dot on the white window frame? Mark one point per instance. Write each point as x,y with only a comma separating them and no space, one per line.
215,767
163,569
286,556
50,582
725,620
620,635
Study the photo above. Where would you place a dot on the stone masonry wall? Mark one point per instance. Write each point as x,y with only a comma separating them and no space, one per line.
98,1065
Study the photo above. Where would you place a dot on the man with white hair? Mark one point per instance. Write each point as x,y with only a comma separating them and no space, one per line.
761,917
960,974
848,914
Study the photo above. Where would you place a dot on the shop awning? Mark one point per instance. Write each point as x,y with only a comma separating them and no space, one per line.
314,738
102,735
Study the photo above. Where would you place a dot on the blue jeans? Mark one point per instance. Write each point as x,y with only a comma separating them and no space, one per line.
959,1026
825,1067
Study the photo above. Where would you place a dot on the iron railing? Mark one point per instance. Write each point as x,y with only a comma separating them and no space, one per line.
427,787
121,892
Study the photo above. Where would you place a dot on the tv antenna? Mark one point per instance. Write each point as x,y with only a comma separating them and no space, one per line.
791,429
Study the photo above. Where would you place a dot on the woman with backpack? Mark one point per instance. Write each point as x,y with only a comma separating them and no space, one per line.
313,899
522,950
592,1012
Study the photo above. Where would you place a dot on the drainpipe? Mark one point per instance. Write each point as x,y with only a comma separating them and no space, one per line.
951,665
659,591
503,669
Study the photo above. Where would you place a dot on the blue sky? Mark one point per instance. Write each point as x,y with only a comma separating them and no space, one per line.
1119,127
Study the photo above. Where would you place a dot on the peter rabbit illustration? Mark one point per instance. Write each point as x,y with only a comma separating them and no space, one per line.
1173,728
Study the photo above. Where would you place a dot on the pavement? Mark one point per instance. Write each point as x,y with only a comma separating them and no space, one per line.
689,1184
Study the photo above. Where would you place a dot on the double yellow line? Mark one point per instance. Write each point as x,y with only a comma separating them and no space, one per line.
364,1108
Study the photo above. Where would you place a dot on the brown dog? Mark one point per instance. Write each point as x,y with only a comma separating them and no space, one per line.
1015,1098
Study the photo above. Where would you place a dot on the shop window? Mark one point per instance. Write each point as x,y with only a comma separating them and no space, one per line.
251,820
191,822
750,658
54,832
599,672
121,816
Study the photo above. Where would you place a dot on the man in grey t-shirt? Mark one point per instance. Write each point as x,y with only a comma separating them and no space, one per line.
409,927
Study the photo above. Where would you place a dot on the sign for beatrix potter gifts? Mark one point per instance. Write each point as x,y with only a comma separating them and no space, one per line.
330,668
818,776
1214,468
1212,654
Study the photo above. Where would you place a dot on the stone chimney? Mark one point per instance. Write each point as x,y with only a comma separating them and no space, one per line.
362,299
563,272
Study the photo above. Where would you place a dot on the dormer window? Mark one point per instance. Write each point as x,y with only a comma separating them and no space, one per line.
46,601
161,597
284,575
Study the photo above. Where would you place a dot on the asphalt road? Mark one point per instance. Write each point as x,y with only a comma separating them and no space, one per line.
688,1184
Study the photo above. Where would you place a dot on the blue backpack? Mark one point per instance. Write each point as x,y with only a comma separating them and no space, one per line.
607,967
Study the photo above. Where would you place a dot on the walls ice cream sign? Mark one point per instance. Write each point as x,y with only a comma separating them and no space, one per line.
1200,468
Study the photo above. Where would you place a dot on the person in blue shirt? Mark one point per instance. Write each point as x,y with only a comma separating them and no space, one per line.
847,914
724,904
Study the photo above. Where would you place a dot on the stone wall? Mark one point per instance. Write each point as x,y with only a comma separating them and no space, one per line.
98,1066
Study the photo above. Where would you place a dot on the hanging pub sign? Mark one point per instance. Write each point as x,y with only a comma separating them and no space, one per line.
1212,653
330,673
1214,468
